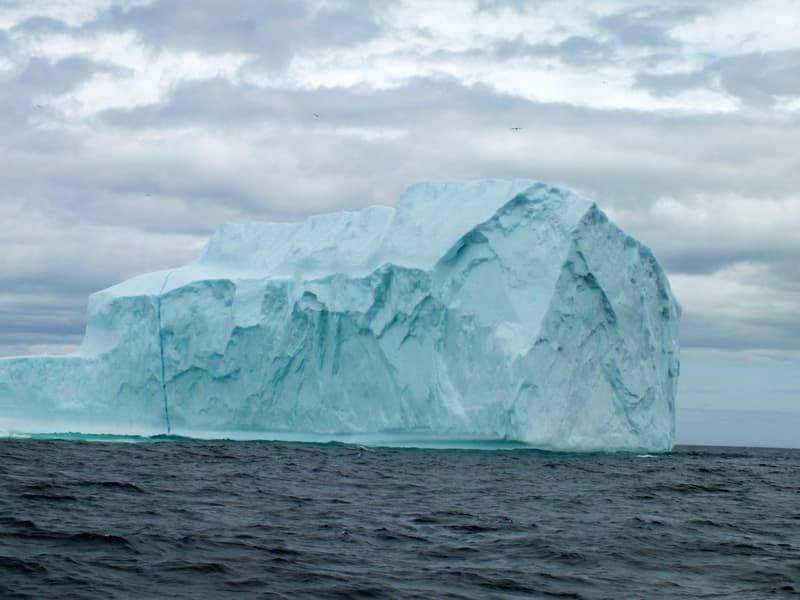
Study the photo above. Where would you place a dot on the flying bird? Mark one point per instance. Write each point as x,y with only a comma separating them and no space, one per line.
316,115
515,128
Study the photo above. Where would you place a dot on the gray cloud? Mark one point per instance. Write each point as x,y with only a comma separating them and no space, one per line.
759,78
575,50
43,76
765,331
642,27
755,79
39,25
272,31
20,104
496,6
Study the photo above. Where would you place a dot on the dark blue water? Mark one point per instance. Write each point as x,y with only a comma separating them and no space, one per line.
208,519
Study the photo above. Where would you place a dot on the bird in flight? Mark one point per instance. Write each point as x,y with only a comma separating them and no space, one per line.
316,115
515,128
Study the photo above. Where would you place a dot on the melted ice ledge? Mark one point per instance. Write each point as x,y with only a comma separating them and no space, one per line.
490,310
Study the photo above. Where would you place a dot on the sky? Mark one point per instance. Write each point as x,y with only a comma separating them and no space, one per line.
132,129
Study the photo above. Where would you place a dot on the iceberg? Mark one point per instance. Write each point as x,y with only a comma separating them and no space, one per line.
487,310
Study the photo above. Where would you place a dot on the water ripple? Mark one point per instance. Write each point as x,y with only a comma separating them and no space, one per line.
193,519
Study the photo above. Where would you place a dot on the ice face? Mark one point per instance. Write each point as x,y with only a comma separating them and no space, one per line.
488,310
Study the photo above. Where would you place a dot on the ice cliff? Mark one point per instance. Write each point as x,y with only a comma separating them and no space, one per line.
506,310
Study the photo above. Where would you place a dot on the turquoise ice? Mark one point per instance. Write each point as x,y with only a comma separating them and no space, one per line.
488,310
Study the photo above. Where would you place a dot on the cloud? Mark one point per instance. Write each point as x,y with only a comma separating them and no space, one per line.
741,27
130,131
136,75
757,80
68,12
736,308
270,32
646,26
51,264
701,234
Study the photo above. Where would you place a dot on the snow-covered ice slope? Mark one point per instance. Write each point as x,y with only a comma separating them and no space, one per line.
506,310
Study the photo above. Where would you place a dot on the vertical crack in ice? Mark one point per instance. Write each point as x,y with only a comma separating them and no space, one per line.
161,353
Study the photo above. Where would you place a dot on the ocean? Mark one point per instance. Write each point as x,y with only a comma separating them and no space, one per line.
200,519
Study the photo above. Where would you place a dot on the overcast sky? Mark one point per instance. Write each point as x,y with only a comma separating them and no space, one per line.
131,129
